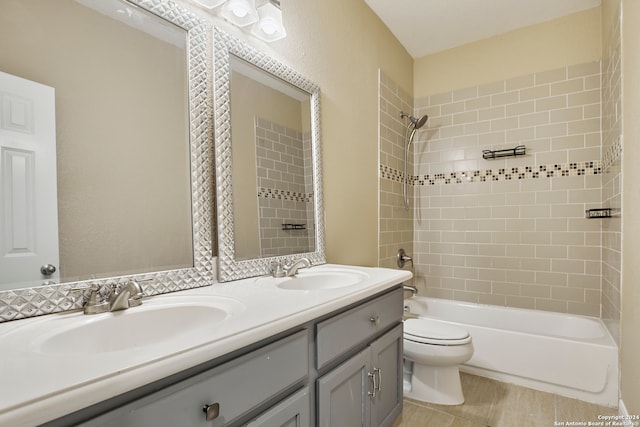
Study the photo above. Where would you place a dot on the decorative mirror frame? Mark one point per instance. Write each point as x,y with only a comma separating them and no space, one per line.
228,267
28,302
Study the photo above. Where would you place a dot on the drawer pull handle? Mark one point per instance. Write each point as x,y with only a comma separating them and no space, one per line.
212,411
372,394
379,372
375,319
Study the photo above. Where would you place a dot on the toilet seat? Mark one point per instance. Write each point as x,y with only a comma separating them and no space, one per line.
429,331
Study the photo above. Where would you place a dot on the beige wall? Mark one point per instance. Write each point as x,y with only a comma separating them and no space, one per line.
340,45
573,39
123,160
630,313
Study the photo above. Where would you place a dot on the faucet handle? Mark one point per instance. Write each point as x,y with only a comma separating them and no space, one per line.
95,304
276,269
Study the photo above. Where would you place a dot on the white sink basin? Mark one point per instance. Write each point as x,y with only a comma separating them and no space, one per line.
162,323
319,280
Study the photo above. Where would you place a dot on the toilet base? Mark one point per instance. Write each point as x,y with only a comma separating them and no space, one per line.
439,385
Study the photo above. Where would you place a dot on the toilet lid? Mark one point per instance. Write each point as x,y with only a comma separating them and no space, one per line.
430,331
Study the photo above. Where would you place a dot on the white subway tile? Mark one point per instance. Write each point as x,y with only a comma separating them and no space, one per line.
551,76
567,294
552,278
492,113
582,70
505,98
566,87
534,93
452,108
584,281
552,130
491,88
551,251
520,82
566,115
471,92
534,119
441,98
508,123
477,103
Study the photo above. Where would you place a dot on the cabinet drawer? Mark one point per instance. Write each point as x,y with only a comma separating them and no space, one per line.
339,334
236,388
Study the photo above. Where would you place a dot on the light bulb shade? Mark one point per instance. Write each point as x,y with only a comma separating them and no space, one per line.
210,4
240,12
269,26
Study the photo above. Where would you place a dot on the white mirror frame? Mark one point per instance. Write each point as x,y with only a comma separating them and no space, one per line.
28,302
228,267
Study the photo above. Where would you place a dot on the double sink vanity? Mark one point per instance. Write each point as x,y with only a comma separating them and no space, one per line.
184,326
263,351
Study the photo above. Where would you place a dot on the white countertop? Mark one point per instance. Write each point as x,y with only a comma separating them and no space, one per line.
38,386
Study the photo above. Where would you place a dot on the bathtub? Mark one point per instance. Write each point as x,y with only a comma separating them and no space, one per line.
573,356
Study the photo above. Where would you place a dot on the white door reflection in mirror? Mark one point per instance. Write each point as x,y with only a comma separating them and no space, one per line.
28,194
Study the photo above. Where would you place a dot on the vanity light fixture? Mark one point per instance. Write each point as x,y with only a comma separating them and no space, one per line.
240,12
269,26
210,4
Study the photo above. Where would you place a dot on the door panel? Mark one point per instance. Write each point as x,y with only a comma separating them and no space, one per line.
28,189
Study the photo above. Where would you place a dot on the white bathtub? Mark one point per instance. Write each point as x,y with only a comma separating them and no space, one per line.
574,356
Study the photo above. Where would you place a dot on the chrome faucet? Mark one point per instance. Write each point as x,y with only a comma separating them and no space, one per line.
127,296
291,269
288,269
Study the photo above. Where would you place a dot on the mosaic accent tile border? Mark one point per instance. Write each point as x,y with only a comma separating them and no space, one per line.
274,193
613,154
502,174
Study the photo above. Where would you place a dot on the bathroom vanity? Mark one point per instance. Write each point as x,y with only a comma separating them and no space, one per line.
215,342
281,355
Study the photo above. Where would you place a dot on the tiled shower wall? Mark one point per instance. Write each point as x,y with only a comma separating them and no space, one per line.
396,223
284,193
611,178
509,231
512,231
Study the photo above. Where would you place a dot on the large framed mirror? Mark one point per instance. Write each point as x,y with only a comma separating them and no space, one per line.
268,161
118,94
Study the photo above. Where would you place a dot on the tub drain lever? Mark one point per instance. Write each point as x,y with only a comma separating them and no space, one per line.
403,258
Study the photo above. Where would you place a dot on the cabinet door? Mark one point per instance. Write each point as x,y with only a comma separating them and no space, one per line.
343,394
386,364
295,411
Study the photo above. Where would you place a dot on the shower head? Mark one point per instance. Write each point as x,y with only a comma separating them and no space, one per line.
417,123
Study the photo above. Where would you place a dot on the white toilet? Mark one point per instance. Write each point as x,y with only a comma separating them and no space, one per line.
432,351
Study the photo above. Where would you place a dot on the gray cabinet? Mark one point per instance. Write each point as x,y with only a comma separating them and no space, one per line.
230,391
342,370
366,390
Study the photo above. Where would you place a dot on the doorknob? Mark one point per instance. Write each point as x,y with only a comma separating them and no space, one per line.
48,269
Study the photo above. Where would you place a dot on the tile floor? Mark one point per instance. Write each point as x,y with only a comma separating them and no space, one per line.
490,403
